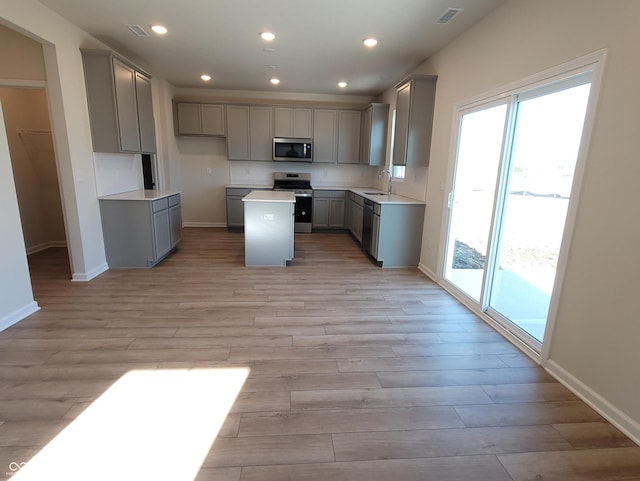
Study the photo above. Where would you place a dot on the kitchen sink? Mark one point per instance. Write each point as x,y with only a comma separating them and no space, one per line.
374,193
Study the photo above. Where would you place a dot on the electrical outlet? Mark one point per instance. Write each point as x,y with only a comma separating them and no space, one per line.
208,170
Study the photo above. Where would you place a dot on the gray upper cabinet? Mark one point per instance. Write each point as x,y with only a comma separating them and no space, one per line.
375,120
145,113
293,122
414,120
325,135
200,119
261,132
238,132
126,107
349,136
120,107
249,132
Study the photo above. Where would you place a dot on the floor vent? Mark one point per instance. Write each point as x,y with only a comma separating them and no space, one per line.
138,30
447,16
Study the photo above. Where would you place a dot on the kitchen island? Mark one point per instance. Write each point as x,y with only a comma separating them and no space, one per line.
140,227
268,228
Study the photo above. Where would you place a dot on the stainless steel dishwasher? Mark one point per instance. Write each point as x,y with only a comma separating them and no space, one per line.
367,225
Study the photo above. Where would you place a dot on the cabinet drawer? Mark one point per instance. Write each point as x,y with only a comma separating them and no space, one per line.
174,200
323,194
160,204
356,198
238,191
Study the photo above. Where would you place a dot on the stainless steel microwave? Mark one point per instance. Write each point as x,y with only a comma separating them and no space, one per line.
292,150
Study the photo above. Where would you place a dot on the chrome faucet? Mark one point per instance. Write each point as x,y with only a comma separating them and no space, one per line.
388,172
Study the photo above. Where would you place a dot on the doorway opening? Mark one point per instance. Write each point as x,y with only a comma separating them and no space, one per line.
30,139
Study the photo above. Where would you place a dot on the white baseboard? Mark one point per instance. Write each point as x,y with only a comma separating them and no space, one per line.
607,410
45,246
87,276
204,224
18,315
428,272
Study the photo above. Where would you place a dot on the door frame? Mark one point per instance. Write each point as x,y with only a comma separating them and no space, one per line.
594,62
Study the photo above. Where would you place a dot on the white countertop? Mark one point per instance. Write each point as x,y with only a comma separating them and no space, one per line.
270,196
373,194
366,192
141,195
248,186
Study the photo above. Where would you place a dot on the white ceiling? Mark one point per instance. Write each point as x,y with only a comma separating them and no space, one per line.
318,43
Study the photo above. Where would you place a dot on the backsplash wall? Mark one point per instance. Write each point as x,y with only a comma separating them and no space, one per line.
322,175
116,173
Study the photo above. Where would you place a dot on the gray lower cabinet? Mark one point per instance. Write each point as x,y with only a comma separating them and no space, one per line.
328,209
140,232
175,219
397,234
235,207
269,233
356,212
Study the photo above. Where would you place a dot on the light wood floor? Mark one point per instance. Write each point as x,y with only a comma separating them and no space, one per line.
357,373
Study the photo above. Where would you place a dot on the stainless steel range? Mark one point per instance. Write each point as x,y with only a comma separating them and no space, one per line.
300,185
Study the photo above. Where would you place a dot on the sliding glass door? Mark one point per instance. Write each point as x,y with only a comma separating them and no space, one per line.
512,185
534,208
472,199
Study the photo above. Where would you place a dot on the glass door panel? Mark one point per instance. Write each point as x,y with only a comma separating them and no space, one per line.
471,201
538,186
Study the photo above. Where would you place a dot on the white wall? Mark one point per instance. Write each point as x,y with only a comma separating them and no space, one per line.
20,57
594,346
16,296
70,123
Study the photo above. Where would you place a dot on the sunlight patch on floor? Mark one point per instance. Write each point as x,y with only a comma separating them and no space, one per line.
149,425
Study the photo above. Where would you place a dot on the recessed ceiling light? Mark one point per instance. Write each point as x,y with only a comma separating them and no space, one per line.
267,36
275,81
159,29
342,84
272,66
370,42
205,77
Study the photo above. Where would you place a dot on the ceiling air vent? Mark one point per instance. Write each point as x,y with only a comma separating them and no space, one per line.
447,16
138,31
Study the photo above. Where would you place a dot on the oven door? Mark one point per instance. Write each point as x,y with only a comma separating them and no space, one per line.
303,213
